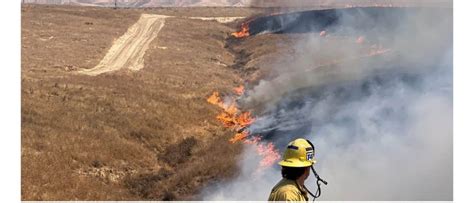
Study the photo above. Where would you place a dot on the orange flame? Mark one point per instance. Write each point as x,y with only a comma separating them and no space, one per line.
226,119
239,90
267,151
232,117
244,31
215,99
245,119
231,109
239,137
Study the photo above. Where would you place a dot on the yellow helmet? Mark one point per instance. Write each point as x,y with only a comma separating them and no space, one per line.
299,153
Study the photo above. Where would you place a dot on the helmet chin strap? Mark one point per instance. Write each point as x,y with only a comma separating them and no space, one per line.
319,180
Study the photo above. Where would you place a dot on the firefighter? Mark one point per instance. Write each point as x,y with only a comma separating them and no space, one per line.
295,169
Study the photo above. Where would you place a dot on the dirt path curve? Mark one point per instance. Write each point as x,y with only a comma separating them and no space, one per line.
129,49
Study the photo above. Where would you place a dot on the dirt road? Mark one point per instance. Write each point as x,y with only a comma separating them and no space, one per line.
129,49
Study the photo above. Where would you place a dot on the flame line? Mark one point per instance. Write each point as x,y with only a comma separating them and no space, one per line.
233,118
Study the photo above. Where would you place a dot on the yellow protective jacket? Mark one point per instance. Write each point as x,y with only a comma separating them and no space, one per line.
288,190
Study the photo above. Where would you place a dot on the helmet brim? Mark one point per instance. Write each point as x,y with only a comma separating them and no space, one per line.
295,163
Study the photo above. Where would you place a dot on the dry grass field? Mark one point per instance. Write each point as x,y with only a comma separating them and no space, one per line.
148,134
137,135
123,135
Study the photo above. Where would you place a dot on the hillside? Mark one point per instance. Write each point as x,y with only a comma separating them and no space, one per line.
123,135
173,104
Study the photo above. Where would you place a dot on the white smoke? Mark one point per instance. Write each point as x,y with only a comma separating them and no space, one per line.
382,127
249,185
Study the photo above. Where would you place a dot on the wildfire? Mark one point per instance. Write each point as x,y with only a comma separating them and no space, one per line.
360,40
239,90
266,150
232,117
215,99
244,31
269,153
244,119
226,119
322,33
239,137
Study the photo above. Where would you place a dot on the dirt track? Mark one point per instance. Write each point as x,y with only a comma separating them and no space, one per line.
129,49
124,135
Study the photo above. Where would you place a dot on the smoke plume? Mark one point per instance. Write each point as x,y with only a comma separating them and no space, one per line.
379,114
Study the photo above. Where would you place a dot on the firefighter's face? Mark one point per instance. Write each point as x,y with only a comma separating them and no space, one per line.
306,173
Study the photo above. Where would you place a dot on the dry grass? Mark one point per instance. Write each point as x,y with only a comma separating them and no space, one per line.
112,137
